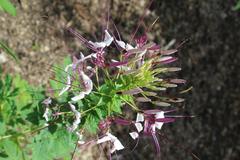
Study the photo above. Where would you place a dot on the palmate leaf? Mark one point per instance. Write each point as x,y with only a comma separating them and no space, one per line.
11,149
91,122
49,146
116,104
7,6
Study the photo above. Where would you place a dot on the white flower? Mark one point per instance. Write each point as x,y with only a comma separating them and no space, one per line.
77,118
87,87
117,145
105,43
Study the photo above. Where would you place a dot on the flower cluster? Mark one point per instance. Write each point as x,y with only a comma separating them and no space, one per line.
97,94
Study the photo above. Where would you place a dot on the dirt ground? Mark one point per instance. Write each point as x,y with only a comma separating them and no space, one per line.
210,62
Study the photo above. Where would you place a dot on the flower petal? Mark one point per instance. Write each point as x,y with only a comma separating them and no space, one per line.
143,99
103,139
134,135
157,116
117,145
77,118
107,41
140,117
133,91
168,52
139,126
46,113
163,104
78,97
68,83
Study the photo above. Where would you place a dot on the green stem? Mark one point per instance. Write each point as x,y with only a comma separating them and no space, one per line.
133,106
24,133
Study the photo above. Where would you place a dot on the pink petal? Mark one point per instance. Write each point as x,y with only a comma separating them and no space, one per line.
168,52
143,99
174,69
178,81
133,91
163,104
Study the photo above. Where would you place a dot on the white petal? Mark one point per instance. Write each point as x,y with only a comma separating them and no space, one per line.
165,58
103,139
134,135
117,145
129,47
139,127
67,87
87,82
140,117
157,116
98,44
45,115
159,125
78,97
121,44
80,138
81,55
108,38
107,41
124,45
77,118
68,83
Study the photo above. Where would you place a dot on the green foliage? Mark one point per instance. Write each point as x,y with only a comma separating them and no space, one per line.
56,145
7,6
19,113
237,6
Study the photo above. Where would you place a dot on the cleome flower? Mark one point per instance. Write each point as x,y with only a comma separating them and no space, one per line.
100,86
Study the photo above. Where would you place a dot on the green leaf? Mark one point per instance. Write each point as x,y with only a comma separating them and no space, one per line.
101,113
91,122
8,7
8,51
12,149
237,6
55,146
116,104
